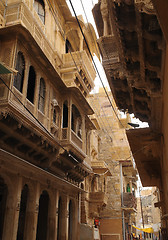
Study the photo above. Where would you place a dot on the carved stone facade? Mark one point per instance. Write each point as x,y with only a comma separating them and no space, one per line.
134,53
44,120
110,190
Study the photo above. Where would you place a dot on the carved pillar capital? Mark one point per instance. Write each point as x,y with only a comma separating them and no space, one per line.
105,15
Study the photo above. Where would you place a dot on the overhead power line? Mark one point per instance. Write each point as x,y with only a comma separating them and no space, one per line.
94,61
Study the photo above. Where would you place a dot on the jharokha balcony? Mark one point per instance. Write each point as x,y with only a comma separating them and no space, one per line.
97,200
129,201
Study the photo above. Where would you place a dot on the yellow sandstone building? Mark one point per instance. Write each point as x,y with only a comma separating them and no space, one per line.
133,37
55,177
44,121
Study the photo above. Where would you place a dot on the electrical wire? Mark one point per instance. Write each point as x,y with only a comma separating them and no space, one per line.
98,54
94,61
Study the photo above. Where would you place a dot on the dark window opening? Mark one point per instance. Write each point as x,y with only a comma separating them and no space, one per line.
40,9
20,67
22,213
65,115
42,217
68,46
76,121
41,101
54,116
31,84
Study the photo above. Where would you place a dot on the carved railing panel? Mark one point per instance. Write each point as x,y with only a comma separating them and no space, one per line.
76,140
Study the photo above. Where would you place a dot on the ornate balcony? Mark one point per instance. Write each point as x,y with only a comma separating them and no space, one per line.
82,77
97,200
72,141
129,201
134,30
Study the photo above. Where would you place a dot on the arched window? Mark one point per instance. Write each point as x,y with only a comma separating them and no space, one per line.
54,115
20,67
22,213
31,84
68,46
41,100
65,115
40,9
76,121
42,217
3,199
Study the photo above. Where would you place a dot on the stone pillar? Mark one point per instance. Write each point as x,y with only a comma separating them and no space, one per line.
75,220
81,41
48,21
52,217
12,211
32,213
83,134
130,182
69,117
65,214
36,92
104,13
26,75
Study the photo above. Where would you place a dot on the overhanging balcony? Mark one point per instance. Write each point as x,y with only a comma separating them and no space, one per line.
129,201
97,200
73,142
82,77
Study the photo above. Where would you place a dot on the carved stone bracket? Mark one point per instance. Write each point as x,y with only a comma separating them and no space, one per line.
145,6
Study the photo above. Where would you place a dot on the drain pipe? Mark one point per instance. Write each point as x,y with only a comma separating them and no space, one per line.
121,185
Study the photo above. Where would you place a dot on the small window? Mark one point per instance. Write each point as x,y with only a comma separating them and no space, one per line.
31,84
20,67
40,9
65,115
68,47
54,116
41,100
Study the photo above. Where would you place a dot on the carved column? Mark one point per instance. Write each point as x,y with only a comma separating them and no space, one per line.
75,220
52,217
130,182
81,41
65,215
104,13
36,92
32,213
12,211
26,75
69,117
83,134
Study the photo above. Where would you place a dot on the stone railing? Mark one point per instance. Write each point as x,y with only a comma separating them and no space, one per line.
80,59
129,201
98,164
72,138
64,133
76,140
